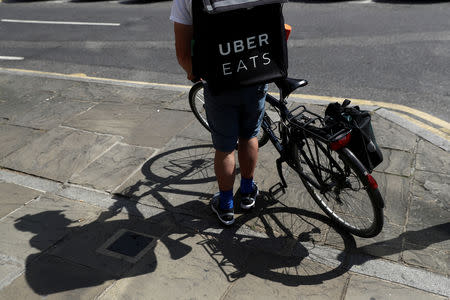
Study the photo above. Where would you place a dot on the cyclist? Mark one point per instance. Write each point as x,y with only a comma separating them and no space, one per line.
234,115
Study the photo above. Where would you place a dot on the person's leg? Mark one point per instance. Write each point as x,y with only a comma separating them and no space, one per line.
222,118
250,124
248,156
224,167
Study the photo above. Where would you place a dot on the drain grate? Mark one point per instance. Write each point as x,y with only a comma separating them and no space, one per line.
128,245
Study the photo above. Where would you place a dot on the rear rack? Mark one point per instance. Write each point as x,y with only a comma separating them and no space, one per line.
315,125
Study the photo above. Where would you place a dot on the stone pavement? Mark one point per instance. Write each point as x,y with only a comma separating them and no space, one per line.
104,193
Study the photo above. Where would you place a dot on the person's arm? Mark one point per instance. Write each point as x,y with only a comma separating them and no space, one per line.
183,38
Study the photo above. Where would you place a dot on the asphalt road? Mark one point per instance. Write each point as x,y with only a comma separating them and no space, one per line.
391,51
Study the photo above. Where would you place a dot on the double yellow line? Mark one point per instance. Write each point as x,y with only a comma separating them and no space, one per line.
442,128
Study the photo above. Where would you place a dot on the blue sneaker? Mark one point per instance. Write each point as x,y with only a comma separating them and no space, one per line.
226,216
248,200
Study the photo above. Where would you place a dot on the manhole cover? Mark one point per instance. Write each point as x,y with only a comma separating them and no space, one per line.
128,245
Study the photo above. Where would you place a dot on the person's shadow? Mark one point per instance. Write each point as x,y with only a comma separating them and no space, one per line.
72,256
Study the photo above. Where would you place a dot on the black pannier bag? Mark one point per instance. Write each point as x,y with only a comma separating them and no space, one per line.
238,42
362,142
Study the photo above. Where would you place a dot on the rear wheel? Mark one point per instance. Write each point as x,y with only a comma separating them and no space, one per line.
345,191
197,104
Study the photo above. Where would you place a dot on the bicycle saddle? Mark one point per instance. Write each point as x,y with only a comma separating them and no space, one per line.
288,85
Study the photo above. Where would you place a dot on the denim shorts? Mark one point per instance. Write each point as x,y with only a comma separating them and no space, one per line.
234,114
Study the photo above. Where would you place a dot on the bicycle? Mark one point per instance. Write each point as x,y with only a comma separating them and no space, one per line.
334,177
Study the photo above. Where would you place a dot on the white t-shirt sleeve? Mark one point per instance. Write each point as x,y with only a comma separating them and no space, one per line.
181,12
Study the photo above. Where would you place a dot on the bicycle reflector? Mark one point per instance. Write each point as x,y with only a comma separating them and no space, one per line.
372,182
340,142
288,29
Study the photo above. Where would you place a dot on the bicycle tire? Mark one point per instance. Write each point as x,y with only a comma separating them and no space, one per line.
356,207
197,102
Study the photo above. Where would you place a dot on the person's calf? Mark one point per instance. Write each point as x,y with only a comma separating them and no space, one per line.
225,168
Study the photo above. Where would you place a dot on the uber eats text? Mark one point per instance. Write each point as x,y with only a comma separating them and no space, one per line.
245,63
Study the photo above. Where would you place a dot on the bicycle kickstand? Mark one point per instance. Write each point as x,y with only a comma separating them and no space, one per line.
279,161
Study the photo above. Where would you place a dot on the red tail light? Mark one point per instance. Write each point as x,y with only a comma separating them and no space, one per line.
340,143
372,182
288,29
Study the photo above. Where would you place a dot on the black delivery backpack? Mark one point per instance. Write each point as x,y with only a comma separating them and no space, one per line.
238,42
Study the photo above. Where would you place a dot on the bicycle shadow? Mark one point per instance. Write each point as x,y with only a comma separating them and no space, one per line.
73,260
285,249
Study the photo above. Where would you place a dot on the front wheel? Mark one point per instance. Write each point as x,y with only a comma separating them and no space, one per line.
341,186
197,104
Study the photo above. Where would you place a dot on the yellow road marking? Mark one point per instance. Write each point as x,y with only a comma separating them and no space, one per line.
444,126
423,115
425,126
446,130
84,76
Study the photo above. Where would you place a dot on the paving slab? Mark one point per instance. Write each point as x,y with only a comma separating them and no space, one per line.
428,225
140,125
162,98
17,100
84,245
364,287
14,196
49,113
179,103
10,269
395,191
432,259
181,172
108,171
101,92
392,136
196,131
41,223
432,187
69,89
9,141
112,118
183,269
36,227
52,277
40,102
59,153
432,158
388,244
161,126
253,287
396,162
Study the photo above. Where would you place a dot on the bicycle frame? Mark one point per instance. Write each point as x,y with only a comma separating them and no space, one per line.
283,146
315,147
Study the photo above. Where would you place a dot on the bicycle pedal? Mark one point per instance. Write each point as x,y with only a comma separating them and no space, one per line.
276,189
